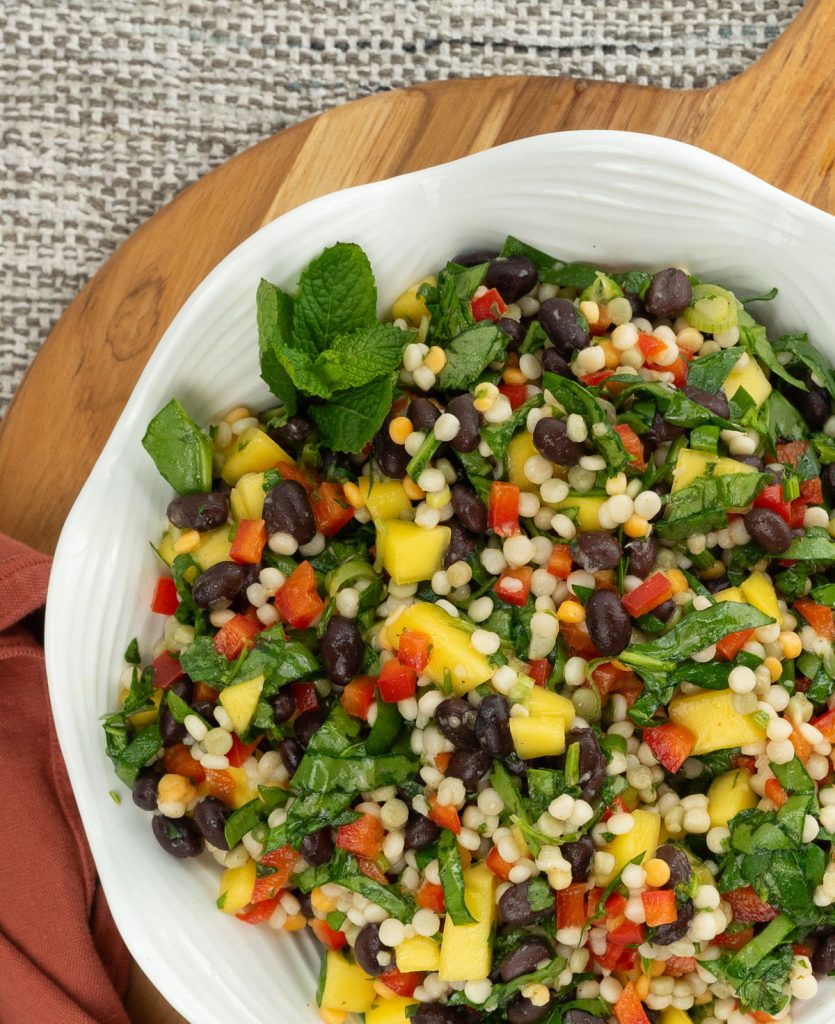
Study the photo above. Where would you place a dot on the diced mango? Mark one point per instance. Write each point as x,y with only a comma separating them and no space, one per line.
641,839
728,795
690,465
346,986
384,499
758,590
545,702
139,719
451,649
672,1015
244,790
714,721
410,553
538,737
730,594
417,954
240,701
214,547
465,949
588,510
247,497
390,1011
252,452
520,449
751,378
410,306
236,885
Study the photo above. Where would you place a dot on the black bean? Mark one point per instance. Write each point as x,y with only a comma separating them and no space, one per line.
664,610
551,440
579,855
715,402
291,755
520,1010
221,582
210,817
423,413
470,509
823,959
553,362
472,257
638,308
576,1016
392,458
456,720
199,512
305,903
470,766
492,726
757,461
768,529
595,550
678,863
205,709
515,330
420,831
564,326
366,949
511,276
515,906
436,1013
144,791
283,705
660,432
669,293
171,731
608,623
525,957
592,761
307,725
177,836
317,848
642,555
293,433
341,649
828,480
813,405
469,421
461,543
667,934
287,510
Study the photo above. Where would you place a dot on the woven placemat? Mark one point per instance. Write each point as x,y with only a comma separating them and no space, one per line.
110,107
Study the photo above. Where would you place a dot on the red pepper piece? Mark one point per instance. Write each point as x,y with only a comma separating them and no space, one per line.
659,906
363,837
670,743
628,1008
330,508
790,452
167,671
771,497
297,602
236,635
444,815
559,564
503,508
539,670
819,617
178,761
488,306
498,865
431,897
249,543
413,649
514,585
240,751
166,598
775,792
306,697
259,912
358,696
650,594
632,444
396,682
403,983
516,394
748,907
326,935
571,906
729,646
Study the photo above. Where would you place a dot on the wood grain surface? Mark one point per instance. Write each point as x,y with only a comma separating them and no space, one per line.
776,120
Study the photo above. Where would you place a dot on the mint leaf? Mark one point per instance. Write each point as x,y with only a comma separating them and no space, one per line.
754,340
363,355
710,372
575,398
351,418
181,451
468,355
337,294
802,352
274,312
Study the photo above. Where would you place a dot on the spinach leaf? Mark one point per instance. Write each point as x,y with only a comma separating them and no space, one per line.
308,814
763,986
595,1007
634,281
351,418
794,778
676,407
499,435
544,785
180,450
816,546
245,818
141,749
797,345
502,994
202,663
324,773
274,312
573,397
515,247
452,879
363,355
779,419
703,506
569,275
394,902
710,372
386,729
754,339
448,301
479,472
469,353
337,294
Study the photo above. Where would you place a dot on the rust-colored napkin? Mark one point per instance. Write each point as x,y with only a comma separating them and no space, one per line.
61,959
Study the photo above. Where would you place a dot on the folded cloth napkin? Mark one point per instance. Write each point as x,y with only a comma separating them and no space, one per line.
61,959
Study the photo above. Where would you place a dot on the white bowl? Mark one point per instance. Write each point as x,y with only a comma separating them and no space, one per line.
610,198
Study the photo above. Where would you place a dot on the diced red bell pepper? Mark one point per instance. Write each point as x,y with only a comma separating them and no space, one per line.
269,886
734,940
797,513
250,540
655,590
628,1008
559,564
670,743
259,912
802,747
591,380
577,637
396,682
539,670
402,983
659,906
632,444
617,806
516,394
219,783
627,933
306,697
826,724
413,649
431,897
371,869
326,935
790,452
488,306
679,966
283,858
240,751
571,906
775,792
331,510
746,763
612,677
748,907
167,671
615,905
811,491
444,815
514,585
202,691
442,759
498,865
771,497
301,474
297,602
611,956
166,598
235,636
819,617
650,346
729,646
503,508
178,761
358,696
678,369
363,837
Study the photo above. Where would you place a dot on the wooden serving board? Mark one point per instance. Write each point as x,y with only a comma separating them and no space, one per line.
776,120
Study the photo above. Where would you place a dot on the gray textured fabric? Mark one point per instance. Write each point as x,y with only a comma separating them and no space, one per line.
109,107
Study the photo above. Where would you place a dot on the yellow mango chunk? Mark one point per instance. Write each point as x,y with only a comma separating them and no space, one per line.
410,306
728,795
751,378
390,1011
408,552
451,649
236,885
247,497
520,449
465,948
642,839
384,499
214,547
252,452
588,510
672,1015
714,721
545,702
347,987
139,719
730,594
538,737
417,954
759,591
240,701
690,465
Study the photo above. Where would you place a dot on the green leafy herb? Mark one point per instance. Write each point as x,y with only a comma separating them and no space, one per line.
363,355
703,505
575,398
754,340
246,818
816,546
516,247
797,345
351,418
140,750
468,355
131,655
499,435
274,313
180,450
337,294
452,879
676,407
710,372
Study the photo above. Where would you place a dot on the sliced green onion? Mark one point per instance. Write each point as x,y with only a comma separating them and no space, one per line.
712,309
604,289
